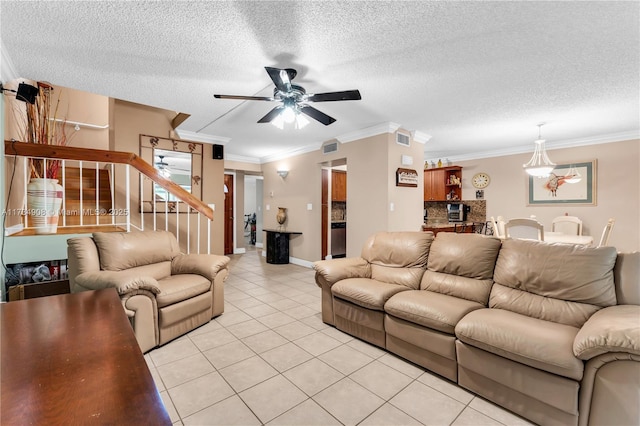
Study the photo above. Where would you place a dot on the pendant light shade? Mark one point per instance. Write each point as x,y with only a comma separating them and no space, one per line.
573,176
540,165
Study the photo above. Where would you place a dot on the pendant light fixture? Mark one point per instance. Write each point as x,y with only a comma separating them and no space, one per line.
540,165
573,176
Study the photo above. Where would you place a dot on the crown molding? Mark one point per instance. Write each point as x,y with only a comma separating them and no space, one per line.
242,159
367,132
567,143
201,137
420,137
289,154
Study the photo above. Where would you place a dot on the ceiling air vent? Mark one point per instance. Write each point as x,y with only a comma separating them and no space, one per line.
330,147
402,139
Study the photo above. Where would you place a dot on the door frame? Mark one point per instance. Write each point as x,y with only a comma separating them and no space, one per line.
230,240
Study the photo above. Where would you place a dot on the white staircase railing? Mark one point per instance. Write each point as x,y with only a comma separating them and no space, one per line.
100,195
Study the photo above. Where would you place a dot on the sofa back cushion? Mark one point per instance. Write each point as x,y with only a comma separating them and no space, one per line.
563,283
398,257
461,265
627,278
125,250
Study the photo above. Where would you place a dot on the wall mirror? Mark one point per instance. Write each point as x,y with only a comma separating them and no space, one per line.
178,161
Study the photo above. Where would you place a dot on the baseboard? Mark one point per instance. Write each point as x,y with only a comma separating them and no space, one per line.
239,250
301,262
13,229
259,245
295,261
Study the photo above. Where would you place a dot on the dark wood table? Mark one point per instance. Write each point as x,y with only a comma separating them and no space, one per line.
73,359
278,245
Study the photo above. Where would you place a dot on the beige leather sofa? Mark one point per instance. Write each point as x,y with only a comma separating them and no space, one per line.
165,293
548,331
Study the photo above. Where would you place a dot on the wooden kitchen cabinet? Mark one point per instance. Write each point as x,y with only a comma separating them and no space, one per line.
438,183
338,185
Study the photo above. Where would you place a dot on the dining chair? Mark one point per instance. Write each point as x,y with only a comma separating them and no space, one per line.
527,229
606,233
570,225
498,226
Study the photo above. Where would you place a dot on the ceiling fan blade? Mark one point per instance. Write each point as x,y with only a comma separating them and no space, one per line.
245,98
281,77
271,115
346,95
317,115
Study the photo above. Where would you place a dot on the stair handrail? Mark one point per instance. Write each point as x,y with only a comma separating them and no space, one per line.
25,149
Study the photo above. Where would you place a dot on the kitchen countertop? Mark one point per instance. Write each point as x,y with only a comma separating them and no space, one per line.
442,224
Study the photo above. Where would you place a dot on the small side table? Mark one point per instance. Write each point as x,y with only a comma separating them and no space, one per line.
278,245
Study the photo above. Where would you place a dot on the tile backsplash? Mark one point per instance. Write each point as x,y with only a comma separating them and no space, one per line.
437,210
338,211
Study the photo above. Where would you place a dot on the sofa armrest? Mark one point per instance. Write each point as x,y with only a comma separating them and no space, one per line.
334,270
206,265
121,281
612,329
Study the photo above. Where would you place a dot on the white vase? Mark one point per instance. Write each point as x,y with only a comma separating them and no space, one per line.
44,198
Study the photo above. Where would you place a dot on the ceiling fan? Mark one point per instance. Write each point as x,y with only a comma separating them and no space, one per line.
294,100
162,166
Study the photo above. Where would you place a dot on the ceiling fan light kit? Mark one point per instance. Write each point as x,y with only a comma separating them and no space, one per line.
540,165
294,100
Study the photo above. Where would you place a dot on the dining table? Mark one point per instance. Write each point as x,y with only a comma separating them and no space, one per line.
559,237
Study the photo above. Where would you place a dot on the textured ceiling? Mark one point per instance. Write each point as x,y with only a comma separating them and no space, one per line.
476,76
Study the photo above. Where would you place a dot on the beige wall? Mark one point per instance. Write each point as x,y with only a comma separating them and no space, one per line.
73,105
371,166
407,201
618,190
130,120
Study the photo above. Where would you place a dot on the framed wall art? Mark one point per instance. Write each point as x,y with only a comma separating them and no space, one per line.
406,177
573,183
177,160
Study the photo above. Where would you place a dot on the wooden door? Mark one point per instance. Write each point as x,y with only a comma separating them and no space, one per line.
228,215
325,213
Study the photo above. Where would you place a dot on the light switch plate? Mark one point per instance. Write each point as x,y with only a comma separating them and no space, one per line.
309,206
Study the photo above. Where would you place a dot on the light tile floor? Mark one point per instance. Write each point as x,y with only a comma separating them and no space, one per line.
269,359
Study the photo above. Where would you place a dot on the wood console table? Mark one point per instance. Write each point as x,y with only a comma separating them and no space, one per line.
278,245
73,359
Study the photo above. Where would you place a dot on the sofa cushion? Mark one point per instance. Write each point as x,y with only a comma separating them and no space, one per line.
365,292
475,290
461,265
398,257
539,344
176,288
433,310
125,250
466,255
544,308
158,270
566,272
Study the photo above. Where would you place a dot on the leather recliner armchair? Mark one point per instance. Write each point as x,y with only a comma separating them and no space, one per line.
164,292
